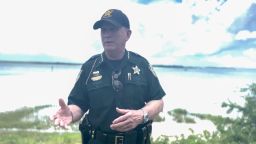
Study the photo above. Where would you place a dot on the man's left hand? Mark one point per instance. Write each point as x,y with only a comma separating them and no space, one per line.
128,120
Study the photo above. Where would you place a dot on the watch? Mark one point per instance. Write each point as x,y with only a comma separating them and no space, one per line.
145,116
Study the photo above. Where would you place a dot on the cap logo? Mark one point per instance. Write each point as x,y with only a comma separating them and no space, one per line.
108,13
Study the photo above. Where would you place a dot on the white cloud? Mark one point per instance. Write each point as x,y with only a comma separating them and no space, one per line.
230,61
245,34
55,27
250,53
64,28
172,24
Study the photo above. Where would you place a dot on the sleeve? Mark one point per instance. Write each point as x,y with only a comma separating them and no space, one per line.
155,90
78,95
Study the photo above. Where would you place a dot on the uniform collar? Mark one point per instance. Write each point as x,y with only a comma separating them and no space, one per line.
102,58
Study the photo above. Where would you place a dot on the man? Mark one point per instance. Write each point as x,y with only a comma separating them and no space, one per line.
117,92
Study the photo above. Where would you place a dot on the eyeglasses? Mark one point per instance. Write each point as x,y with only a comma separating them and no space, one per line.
117,84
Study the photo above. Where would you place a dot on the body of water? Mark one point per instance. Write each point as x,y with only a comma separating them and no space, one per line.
198,90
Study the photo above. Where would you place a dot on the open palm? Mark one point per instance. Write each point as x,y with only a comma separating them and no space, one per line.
63,117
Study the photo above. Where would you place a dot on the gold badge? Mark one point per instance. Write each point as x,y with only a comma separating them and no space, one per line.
108,13
136,70
96,76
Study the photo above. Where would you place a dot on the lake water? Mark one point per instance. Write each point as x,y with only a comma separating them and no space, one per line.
198,90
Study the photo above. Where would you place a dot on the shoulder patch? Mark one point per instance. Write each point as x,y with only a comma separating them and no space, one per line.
152,70
79,74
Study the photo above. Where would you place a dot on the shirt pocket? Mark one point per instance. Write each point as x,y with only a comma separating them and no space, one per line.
100,94
136,91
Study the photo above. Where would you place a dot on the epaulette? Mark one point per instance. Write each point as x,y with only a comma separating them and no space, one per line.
139,57
93,57
90,60
135,53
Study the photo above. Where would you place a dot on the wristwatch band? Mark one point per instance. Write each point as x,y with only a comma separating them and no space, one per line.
145,116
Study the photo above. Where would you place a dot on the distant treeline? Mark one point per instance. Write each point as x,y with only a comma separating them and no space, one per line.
154,65
39,62
200,67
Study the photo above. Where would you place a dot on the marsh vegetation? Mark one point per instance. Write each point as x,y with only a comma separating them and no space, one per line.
27,126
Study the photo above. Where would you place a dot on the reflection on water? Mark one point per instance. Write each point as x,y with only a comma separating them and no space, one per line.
198,90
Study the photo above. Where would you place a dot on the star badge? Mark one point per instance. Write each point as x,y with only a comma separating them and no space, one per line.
136,70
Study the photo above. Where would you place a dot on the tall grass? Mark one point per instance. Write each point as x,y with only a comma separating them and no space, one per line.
28,137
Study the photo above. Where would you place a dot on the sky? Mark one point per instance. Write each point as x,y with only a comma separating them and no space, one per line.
173,32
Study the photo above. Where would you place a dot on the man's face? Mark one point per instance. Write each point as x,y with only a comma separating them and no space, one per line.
114,37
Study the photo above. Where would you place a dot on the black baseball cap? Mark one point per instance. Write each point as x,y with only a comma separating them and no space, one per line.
114,16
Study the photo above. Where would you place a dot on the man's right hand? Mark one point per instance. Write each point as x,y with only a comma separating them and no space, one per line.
63,117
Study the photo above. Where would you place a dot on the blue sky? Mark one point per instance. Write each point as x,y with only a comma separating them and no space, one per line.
177,32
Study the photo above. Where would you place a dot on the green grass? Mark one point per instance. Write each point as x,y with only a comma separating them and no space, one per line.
24,118
26,137
25,126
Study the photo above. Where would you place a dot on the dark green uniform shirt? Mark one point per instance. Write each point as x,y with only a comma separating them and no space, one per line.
94,91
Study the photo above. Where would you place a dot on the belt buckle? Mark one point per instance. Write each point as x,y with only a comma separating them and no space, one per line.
119,139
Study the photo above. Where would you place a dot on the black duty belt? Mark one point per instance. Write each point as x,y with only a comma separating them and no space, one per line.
140,135
117,138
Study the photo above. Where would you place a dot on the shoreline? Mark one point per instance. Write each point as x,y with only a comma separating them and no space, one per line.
38,62
154,65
